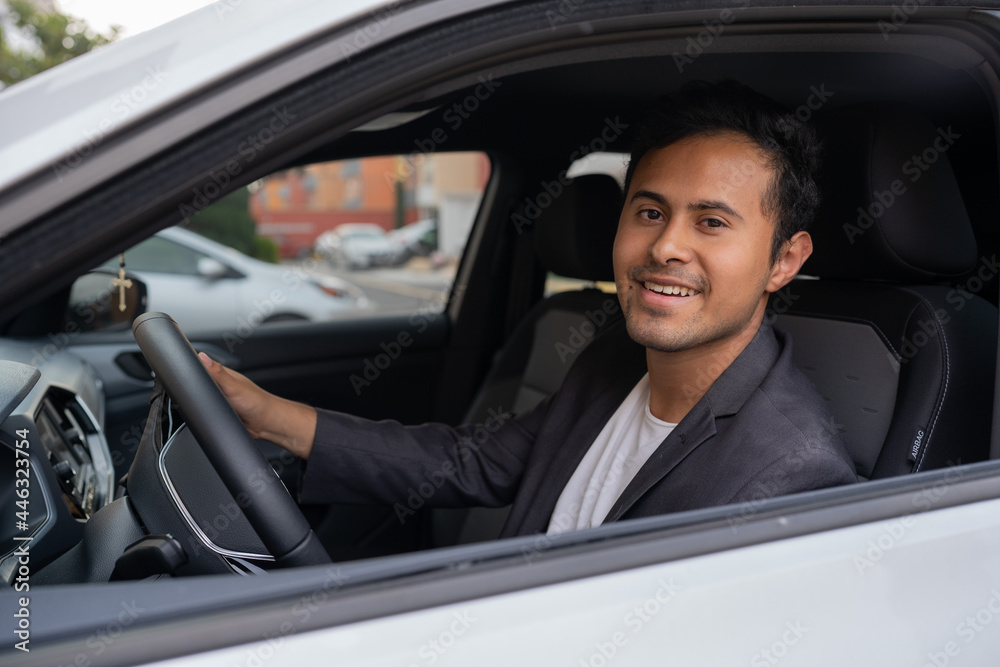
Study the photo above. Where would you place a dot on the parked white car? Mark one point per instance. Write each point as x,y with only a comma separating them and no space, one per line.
411,240
354,245
207,286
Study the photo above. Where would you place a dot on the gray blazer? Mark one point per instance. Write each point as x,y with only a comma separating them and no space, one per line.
761,430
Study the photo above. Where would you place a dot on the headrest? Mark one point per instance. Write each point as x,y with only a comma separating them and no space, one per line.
575,234
891,208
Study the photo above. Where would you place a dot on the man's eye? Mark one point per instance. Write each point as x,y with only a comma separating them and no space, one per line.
650,214
714,223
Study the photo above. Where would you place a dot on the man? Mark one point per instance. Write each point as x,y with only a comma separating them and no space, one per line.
693,402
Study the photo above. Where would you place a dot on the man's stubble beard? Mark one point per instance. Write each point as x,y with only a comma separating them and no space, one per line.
656,332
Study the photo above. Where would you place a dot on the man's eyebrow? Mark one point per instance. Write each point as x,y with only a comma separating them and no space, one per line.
649,194
714,206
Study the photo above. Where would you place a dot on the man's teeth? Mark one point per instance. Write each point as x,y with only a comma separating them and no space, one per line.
670,289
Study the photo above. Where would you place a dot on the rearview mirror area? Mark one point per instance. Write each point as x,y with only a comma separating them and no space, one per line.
101,301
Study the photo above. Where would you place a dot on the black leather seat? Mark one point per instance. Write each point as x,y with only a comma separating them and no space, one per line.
573,238
905,359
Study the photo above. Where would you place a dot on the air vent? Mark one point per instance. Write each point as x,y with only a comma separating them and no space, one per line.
77,452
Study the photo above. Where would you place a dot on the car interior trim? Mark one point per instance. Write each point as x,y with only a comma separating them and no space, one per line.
192,524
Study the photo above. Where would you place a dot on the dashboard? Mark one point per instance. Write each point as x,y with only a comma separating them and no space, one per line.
53,448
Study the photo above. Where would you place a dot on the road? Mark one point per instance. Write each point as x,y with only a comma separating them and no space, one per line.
405,289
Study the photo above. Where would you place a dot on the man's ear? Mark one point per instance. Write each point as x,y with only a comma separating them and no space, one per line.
793,255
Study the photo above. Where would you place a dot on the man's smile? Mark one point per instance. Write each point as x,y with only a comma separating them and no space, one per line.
676,290
666,291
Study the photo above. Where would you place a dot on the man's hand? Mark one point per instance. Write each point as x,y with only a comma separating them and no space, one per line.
285,423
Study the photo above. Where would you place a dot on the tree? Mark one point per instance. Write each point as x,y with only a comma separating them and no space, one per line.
33,40
228,221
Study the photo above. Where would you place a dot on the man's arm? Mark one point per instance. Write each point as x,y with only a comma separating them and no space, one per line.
354,460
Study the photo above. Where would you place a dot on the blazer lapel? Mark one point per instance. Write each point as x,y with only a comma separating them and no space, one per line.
549,485
614,365
696,427
725,397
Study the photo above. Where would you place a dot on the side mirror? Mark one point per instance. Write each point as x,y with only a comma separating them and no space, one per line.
211,269
95,301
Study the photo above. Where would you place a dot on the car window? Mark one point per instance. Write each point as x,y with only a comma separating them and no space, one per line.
326,241
160,255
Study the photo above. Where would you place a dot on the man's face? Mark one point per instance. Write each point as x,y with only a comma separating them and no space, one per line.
692,255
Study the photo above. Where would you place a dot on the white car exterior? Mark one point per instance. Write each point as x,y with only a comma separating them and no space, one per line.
231,290
354,245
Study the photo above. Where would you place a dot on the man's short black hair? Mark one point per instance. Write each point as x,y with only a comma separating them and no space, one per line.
700,108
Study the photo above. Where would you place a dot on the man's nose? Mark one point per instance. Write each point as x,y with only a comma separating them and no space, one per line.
673,243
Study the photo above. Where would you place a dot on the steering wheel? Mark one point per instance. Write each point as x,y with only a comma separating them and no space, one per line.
271,512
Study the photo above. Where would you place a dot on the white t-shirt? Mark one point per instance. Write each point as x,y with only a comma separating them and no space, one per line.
627,441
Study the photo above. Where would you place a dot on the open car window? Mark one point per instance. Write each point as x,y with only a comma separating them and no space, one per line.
323,242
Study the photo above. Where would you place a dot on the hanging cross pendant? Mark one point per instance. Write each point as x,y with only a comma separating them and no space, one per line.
121,282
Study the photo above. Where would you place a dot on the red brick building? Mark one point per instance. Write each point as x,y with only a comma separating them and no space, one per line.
296,206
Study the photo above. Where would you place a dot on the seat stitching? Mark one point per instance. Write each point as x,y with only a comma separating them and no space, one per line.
947,374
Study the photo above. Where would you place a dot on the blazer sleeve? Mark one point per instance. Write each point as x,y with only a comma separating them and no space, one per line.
358,461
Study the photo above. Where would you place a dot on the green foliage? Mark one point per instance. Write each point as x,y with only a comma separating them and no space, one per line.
266,250
50,39
228,221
